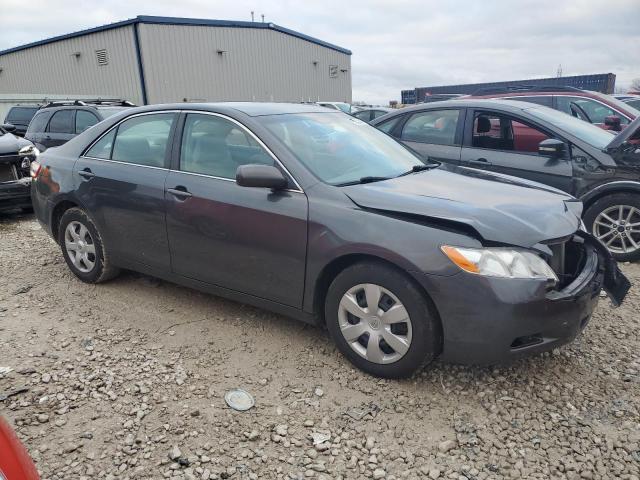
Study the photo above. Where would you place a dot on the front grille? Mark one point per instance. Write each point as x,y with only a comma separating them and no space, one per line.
8,172
567,260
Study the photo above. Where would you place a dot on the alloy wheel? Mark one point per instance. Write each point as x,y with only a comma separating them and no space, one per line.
375,324
618,227
80,246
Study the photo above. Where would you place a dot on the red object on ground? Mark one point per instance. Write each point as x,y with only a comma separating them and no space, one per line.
15,463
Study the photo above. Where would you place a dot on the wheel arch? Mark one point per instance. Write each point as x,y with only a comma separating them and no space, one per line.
612,188
338,264
56,215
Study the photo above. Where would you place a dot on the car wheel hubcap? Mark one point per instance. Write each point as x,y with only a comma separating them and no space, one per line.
375,324
618,227
80,247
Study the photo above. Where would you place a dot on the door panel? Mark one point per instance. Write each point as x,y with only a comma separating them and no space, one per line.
251,240
121,181
127,201
555,172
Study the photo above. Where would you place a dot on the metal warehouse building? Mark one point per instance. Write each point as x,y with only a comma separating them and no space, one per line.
158,59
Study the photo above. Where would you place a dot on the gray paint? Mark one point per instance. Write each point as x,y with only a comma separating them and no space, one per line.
181,61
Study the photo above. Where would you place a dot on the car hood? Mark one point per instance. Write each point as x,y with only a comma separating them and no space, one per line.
10,144
624,135
500,208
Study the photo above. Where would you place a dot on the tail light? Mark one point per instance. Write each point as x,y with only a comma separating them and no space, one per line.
34,169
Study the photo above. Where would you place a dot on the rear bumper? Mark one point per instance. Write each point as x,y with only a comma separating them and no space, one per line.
491,320
15,194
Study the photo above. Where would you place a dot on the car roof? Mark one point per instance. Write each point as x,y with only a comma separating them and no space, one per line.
252,109
513,106
471,102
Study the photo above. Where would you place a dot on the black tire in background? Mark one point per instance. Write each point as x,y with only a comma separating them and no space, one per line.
612,201
426,337
102,270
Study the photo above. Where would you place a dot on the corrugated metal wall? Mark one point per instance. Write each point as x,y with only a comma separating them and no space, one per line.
53,68
182,62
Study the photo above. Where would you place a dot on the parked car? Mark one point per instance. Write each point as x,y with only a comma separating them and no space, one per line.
540,144
318,215
19,116
58,122
342,106
368,114
633,101
438,97
15,463
16,155
600,109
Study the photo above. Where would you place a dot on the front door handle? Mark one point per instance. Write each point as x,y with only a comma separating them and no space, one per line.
179,192
86,173
480,161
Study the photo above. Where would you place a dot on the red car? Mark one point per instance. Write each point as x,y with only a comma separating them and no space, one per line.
603,110
15,463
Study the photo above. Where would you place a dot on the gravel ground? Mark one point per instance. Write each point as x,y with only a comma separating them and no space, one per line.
126,380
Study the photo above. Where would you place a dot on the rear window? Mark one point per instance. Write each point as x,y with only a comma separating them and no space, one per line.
39,122
21,114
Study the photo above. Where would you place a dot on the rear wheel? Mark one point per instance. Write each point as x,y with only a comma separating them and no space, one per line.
83,248
615,221
381,321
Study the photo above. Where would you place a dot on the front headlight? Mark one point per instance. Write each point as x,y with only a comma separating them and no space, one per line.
500,262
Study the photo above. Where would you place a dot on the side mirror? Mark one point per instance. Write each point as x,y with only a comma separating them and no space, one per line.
260,176
613,122
551,147
8,127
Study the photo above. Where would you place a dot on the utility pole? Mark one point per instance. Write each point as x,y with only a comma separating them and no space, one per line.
559,72
252,15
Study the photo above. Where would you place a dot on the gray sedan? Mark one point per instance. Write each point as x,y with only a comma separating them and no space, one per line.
317,215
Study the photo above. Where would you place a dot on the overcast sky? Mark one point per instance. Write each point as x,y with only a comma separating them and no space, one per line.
397,44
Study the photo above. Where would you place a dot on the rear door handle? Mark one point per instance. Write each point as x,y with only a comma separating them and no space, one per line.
179,192
86,173
480,161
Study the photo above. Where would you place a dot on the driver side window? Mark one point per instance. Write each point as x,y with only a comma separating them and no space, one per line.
215,146
501,132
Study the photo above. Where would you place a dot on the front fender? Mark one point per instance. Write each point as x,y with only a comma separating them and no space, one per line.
609,187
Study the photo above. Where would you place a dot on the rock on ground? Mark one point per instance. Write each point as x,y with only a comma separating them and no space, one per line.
126,380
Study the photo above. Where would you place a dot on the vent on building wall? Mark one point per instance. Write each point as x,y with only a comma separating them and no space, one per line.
102,57
333,71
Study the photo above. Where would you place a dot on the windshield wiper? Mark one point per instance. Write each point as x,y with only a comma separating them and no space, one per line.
362,180
420,168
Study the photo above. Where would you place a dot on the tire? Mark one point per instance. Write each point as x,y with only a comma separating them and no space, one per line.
421,334
92,253
610,206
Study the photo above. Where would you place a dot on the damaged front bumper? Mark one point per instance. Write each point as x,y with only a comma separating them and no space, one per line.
504,318
15,194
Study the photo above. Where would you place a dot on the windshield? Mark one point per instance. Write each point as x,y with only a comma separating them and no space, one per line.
618,104
340,149
21,114
585,131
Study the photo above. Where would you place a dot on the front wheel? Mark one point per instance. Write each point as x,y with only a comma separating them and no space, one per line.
615,221
381,320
